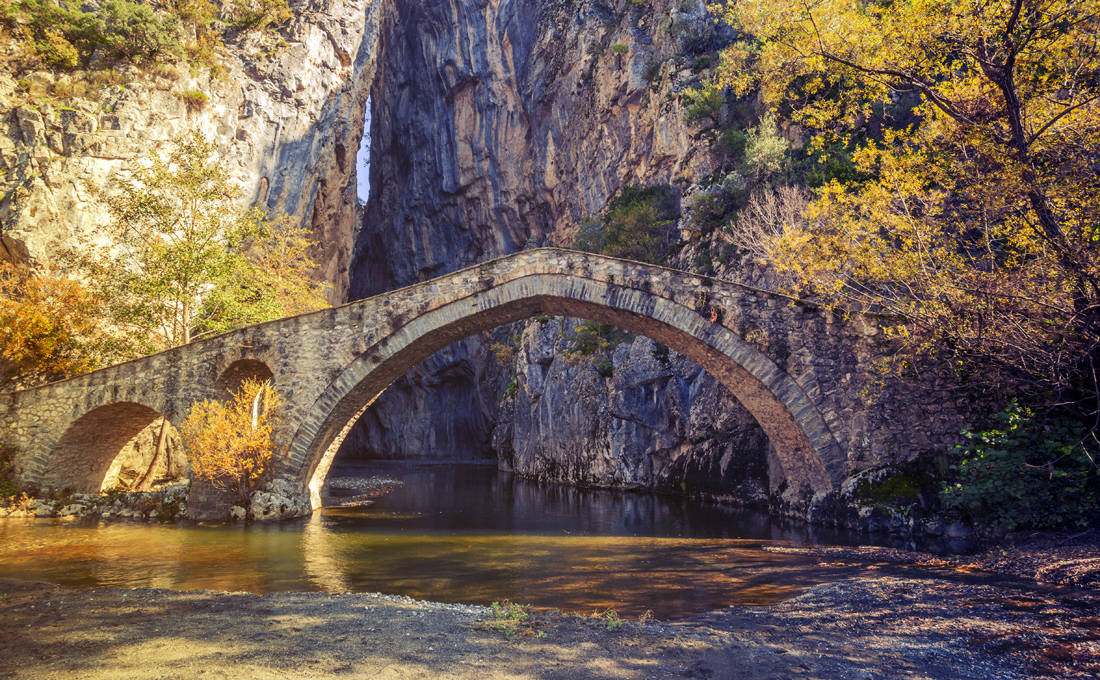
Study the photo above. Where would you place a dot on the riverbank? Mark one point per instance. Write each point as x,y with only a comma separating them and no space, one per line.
904,623
1045,558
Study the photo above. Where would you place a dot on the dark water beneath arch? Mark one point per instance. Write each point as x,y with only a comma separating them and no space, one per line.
452,533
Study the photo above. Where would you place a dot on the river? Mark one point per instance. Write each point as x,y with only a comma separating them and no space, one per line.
452,533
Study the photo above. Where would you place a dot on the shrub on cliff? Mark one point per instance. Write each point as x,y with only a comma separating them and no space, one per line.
132,31
63,35
229,444
639,223
248,15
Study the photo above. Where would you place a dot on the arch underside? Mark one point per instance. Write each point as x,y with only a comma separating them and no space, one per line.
84,453
803,443
238,372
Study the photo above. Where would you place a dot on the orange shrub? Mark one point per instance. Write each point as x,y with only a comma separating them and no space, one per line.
48,327
229,443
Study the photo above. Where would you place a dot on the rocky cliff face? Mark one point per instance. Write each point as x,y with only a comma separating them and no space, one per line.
644,419
287,117
498,124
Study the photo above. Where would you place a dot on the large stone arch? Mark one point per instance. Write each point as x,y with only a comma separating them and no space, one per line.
803,442
82,456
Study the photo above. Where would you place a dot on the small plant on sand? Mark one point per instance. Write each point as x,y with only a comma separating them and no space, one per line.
230,443
612,620
512,619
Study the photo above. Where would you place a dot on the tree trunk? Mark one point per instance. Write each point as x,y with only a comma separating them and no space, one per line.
162,444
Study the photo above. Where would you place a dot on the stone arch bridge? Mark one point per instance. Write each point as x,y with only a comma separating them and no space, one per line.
800,371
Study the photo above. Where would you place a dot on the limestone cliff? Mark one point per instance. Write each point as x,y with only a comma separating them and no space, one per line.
647,420
498,124
287,116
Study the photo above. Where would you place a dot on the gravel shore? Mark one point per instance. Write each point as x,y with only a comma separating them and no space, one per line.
904,623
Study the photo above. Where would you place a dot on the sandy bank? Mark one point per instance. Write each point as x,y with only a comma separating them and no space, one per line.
896,625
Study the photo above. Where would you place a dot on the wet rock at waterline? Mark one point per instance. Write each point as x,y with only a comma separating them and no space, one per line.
167,503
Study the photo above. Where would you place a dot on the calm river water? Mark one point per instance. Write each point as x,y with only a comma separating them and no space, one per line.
451,533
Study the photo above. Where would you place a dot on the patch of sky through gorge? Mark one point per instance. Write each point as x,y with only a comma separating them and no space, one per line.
362,160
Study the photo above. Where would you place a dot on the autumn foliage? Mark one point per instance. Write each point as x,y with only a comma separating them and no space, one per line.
48,329
971,214
229,443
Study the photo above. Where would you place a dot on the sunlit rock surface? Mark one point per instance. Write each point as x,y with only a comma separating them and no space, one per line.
287,122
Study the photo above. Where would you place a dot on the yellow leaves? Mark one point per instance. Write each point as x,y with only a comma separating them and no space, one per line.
974,130
48,329
230,444
736,69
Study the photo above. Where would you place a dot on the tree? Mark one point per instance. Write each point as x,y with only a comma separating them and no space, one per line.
48,328
974,217
230,443
184,261
63,34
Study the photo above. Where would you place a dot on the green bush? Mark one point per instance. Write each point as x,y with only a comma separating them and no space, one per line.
63,35
195,100
257,15
590,337
133,31
704,102
55,51
1025,473
639,223
702,62
820,167
731,145
712,208
765,149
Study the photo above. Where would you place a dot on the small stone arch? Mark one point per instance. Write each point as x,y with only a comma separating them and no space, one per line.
237,372
85,452
802,439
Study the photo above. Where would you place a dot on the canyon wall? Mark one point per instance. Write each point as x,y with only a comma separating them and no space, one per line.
502,124
646,419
